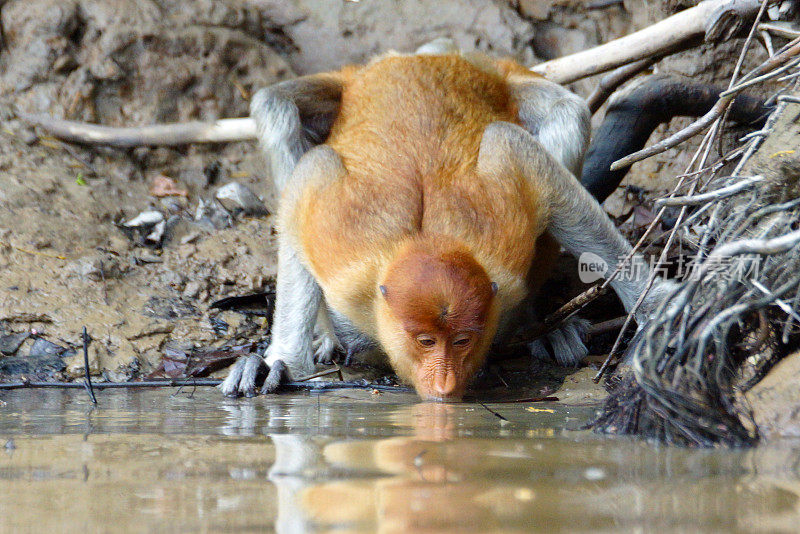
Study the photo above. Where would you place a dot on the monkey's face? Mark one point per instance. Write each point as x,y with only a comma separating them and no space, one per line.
438,359
436,318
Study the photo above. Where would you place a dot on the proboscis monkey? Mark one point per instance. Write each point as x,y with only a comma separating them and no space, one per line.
423,199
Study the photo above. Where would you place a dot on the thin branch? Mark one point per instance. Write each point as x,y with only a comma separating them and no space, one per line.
780,30
88,377
722,192
205,382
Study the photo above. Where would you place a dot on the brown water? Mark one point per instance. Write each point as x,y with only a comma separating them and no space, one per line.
350,461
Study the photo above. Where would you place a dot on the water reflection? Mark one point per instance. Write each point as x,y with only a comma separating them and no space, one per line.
353,461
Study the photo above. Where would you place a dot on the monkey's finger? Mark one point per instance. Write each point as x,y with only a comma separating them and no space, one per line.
277,374
230,386
254,367
576,328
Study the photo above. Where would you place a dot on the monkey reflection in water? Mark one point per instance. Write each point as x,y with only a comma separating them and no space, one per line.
424,199
312,474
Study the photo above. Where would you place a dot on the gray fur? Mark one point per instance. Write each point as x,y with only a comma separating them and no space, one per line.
557,118
276,375
439,46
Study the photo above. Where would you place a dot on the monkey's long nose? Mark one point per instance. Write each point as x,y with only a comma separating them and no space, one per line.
445,384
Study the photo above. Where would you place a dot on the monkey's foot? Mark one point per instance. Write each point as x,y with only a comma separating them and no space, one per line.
567,343
325,348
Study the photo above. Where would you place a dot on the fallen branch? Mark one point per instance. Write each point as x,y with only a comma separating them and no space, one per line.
718,194
221,131
670,35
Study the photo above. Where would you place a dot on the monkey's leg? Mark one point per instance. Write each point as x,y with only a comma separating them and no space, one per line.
574,218
556,117
293,116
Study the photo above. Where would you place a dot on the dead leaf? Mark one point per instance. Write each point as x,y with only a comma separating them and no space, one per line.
164,186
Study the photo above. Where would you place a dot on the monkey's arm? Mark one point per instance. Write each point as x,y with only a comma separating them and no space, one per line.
574,217
291,117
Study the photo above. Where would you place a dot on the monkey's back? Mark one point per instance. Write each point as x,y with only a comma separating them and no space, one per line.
409,132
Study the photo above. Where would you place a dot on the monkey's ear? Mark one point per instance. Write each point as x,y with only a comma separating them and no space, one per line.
494,288
383,290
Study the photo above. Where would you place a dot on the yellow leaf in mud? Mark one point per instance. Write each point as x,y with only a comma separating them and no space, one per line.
781,153
79,180
539,410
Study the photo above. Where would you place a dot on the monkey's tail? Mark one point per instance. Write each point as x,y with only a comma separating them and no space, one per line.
638,109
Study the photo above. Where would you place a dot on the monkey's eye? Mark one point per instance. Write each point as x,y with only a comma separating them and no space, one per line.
461,341
425,341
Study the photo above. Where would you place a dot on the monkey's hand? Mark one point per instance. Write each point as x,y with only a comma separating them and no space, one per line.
248,372
567,343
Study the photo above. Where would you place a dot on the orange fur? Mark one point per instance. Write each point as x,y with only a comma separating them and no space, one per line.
413,211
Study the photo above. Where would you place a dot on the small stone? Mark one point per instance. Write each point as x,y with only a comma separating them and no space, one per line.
145,257
145,218
118,244
190,238
11,342
212,216
41,347
164,186
237,198
535,9
27,136
192,289
64,63
157,233
106,70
